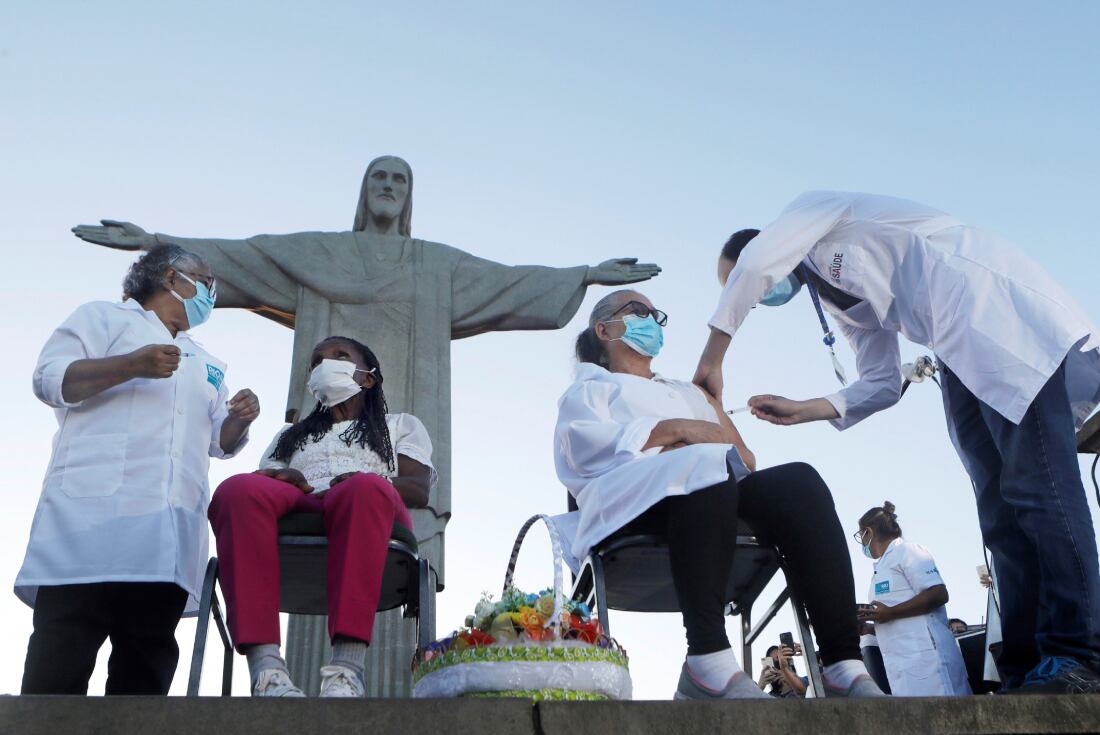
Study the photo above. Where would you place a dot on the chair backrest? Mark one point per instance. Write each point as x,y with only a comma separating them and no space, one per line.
303,556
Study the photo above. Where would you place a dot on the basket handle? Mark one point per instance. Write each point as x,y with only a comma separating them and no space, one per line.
555,546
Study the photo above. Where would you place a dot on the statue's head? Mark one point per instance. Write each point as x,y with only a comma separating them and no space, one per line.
386,194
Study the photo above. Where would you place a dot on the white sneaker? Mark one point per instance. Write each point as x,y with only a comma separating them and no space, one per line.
340,681
275,683
740,686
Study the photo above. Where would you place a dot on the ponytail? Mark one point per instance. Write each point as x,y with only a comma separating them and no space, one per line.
883,520
591,348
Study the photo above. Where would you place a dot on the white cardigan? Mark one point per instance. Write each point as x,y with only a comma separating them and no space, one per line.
604,420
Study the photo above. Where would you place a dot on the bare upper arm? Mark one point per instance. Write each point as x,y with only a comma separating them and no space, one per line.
409,467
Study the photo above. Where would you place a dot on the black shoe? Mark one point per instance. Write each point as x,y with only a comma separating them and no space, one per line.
1060,675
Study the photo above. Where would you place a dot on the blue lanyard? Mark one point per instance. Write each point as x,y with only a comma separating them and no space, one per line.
829,338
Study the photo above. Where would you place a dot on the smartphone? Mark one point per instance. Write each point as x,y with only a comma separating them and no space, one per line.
786,639
767,663
983,571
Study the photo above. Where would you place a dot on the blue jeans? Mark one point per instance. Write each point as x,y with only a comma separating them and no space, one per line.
1034,516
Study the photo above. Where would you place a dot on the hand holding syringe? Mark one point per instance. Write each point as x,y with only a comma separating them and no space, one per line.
737,410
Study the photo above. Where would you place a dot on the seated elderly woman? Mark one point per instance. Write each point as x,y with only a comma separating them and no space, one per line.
358,465
645,454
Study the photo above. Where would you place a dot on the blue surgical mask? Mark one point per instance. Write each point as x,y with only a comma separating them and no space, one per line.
867,549
199,306
643,335
782,292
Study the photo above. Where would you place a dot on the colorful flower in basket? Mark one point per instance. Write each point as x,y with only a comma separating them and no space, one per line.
529,616
545,605
437,648
503,627
520,615
476,637
483,612
588,631
533,624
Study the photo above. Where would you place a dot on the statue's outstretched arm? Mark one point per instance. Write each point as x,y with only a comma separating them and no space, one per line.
115,234
619,271
239,285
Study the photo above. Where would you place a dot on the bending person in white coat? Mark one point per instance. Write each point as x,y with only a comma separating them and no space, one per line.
645,454
118,545
908,599
1020,370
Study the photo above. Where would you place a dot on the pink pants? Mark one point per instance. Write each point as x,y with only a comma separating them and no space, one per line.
359,516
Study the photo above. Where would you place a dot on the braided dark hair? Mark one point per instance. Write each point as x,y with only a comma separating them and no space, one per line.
882,520
370,428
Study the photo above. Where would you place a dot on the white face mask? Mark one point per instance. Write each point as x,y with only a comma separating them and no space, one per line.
333,381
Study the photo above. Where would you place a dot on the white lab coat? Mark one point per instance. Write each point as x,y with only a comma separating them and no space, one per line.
989,312
604,420
921,655
125,493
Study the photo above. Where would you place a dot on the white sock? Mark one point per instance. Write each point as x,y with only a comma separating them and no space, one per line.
841,674
261,657
714,670
351,654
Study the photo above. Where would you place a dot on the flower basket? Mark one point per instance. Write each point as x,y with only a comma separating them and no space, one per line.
540,646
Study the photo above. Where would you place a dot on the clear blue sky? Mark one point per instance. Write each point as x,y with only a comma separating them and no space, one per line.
559,135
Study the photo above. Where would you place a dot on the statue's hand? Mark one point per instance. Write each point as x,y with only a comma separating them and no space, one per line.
618,271
115,234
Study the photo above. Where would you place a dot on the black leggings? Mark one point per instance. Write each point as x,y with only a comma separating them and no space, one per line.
789,506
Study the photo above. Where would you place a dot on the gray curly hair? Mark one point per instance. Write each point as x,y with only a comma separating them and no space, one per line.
146,274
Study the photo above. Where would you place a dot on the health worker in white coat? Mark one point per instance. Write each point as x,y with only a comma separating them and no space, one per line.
908,599
646,454
1020,369
118,545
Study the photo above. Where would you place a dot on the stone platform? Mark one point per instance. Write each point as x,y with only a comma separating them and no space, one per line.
243,716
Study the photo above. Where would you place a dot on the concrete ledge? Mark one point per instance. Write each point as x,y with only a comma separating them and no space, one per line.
977,715
56,715
243,716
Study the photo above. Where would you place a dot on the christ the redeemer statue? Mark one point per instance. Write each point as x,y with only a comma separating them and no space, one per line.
404,297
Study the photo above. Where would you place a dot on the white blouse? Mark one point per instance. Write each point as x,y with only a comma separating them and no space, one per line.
330,456
604,420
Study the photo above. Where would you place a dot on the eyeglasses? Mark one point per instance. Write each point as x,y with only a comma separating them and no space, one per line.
210,282
858,536
639,309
